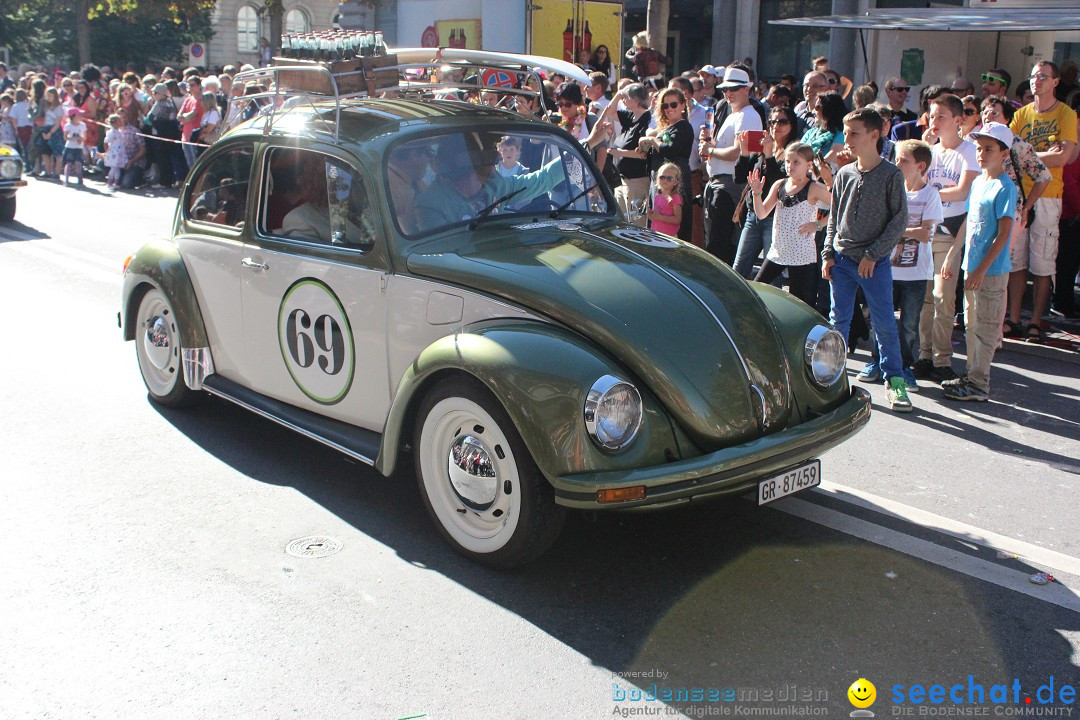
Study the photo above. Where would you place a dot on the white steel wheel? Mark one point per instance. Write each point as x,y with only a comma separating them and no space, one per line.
157,346
479,482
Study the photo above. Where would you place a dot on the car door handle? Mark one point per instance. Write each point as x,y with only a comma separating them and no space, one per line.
249,263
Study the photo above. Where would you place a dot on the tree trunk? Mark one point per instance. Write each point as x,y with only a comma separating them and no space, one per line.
656,25
275,9
82,31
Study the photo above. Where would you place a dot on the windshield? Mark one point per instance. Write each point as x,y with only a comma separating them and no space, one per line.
465,177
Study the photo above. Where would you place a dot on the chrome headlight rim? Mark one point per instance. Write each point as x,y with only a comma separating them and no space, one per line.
10,169
599,390
813,340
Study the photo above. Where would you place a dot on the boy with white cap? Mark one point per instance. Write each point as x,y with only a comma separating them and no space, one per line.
991,205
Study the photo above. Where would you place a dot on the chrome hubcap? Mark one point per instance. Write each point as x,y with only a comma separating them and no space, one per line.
472,473
156,342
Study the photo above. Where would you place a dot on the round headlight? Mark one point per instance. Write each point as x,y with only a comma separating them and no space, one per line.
825,355
9,169
613,412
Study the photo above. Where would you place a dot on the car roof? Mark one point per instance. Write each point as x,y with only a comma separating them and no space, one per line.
365,120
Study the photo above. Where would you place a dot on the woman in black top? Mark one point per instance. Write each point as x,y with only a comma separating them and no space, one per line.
756,237
671,142
628,127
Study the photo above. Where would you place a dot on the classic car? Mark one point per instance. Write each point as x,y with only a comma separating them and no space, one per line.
11,170
372,274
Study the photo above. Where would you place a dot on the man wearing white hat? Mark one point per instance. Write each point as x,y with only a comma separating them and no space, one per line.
722,151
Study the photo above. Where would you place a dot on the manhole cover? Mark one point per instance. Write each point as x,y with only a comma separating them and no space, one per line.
313,546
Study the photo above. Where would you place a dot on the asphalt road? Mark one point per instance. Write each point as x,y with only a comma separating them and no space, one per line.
145,572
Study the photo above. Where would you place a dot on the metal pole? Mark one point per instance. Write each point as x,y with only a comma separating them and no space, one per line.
866,62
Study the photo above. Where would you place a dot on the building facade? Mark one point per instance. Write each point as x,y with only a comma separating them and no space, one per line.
238,25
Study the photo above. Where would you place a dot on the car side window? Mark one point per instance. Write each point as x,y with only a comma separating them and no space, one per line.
219,193
315,197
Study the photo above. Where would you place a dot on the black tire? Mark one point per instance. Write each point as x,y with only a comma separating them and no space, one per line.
7,209
157,348
521,521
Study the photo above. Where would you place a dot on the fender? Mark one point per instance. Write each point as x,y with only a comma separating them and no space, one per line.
794,319
542,374
158,263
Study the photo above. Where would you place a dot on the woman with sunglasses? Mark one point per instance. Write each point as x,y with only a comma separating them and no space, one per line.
629,127
971,121
826,134
601,62
782,130
671,141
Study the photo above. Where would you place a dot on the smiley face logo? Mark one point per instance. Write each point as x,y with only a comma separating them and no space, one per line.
862,693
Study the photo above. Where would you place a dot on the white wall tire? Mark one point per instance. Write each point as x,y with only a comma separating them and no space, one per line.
503,520
157,347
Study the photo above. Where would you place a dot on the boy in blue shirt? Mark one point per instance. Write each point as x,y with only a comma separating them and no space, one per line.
991,205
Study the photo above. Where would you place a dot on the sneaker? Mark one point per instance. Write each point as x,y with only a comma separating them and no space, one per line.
909,380
897,395
941,374
966,390
870,374
956,381
923,369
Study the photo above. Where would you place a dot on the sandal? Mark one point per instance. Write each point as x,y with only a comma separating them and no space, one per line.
1013,329
1034,333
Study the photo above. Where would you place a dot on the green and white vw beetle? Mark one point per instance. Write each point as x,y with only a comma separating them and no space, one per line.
454,282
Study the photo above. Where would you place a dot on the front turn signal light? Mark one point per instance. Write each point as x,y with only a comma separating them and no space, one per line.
636,492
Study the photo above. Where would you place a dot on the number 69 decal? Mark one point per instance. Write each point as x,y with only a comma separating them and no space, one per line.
316,341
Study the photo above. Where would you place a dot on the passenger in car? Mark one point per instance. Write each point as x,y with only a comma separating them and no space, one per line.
311,220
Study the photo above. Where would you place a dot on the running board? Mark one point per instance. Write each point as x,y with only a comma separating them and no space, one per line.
349,439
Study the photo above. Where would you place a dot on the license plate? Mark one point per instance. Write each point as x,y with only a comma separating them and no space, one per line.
790,481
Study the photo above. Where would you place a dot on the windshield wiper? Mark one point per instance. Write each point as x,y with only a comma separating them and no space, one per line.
571,201
490,208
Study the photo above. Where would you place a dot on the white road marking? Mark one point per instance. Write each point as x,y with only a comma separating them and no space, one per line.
1056,593
107,264
1036,555
75,265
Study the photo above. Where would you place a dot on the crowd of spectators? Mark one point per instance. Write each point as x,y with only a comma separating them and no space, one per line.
754,172
139,130
760,156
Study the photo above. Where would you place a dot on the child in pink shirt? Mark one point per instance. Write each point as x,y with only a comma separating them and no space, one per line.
666,215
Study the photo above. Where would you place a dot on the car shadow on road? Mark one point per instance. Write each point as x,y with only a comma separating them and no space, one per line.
25,232
726,597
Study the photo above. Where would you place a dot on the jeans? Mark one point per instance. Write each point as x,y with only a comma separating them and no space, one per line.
756,238
132,177
878,290
908,294
720,197
190,153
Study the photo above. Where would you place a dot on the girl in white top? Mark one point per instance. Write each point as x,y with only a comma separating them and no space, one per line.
210,120
114,152
796,199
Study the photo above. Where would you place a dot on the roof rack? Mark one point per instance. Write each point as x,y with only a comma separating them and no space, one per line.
418,73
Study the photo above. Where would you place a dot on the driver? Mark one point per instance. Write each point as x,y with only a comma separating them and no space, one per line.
468,183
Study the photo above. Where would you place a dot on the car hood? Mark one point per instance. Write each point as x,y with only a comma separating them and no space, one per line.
684,323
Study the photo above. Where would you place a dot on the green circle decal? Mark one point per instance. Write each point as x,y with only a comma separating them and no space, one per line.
316,341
